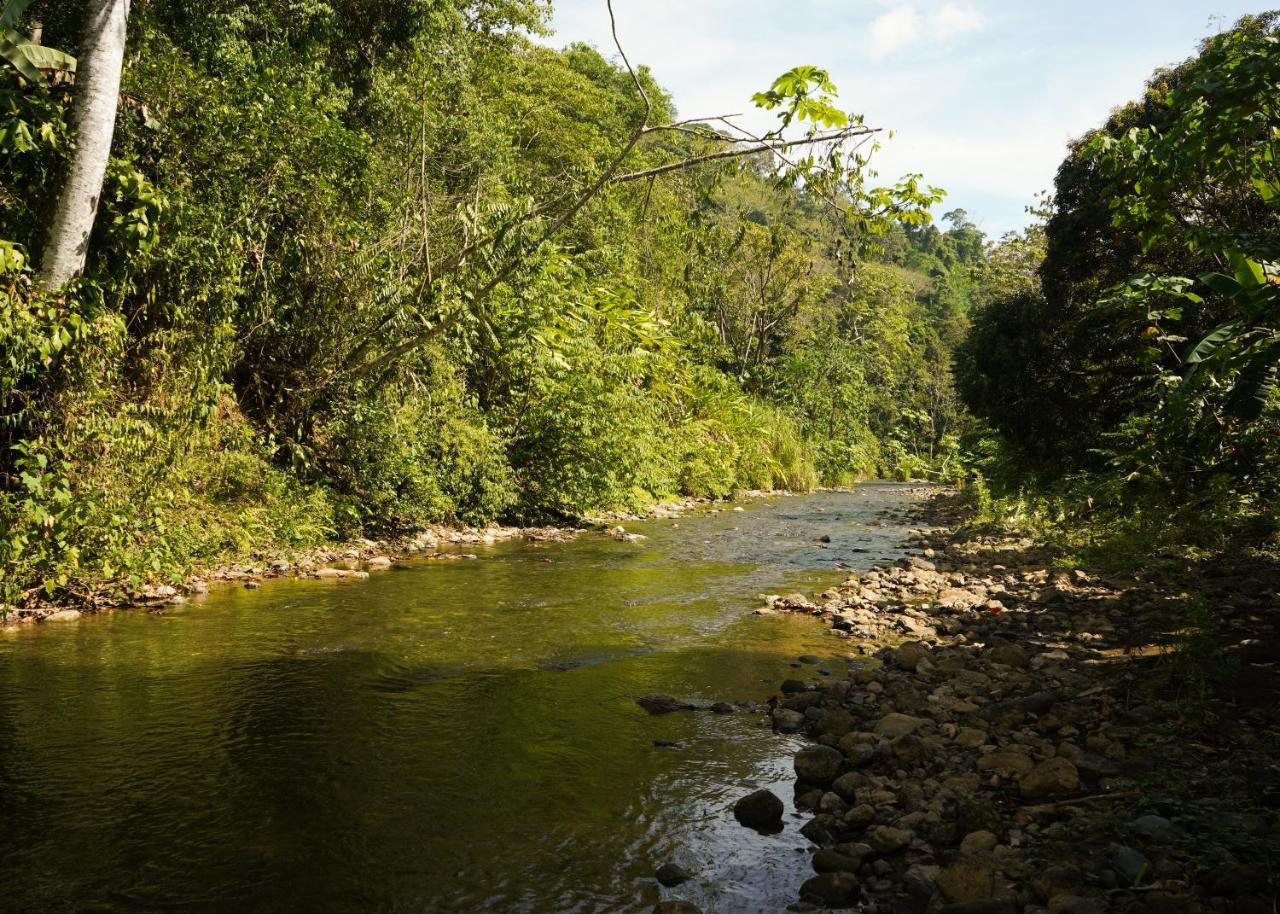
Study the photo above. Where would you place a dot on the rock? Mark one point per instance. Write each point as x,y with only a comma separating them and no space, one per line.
63,615
672,875
1053,777
811,659
821,830
1131,866
788,721
910,655
895,726
818,764
832,890
723,707
828,860
792,687
661,704
978,842
675,906
1007,654
968,878
1058,880
1007,762
993,906
889,840
1156,829
1076,904
759,810
958,598
378,562
252,585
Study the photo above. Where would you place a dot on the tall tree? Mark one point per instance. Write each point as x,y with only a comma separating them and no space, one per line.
97,94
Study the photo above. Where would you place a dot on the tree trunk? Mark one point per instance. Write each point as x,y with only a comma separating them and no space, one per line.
94,114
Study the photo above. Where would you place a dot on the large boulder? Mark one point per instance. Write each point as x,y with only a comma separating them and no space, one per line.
896,726
759,810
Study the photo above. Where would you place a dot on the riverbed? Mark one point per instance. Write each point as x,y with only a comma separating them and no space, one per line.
443,736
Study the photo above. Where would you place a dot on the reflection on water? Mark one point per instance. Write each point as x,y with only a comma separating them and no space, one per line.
445,736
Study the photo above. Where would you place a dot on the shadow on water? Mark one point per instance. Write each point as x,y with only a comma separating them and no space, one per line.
442,738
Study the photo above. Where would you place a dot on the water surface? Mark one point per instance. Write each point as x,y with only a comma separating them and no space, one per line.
444,736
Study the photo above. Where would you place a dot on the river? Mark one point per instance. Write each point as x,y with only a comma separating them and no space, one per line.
445,736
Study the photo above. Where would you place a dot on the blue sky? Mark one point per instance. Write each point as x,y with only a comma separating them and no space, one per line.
983,95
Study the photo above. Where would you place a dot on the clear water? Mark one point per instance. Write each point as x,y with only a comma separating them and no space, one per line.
446,736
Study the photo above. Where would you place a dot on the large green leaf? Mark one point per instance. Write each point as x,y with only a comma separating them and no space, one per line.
1214,341
11,12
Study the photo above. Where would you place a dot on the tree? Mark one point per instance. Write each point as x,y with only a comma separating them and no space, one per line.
97,94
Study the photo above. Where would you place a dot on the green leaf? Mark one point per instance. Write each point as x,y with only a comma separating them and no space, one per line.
1214,341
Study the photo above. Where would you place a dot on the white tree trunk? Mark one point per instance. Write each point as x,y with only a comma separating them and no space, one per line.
94,113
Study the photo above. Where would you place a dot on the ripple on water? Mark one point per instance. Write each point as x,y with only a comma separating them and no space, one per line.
455,736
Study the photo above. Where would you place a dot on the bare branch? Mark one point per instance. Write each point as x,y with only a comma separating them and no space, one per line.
770,146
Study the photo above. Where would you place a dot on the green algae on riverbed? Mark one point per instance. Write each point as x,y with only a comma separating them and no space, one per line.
444,736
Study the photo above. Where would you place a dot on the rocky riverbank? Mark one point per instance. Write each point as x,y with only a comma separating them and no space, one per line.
1035,740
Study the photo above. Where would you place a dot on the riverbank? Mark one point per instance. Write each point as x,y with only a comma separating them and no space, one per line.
348,561
1040,739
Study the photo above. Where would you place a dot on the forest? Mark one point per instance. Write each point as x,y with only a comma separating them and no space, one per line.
337,289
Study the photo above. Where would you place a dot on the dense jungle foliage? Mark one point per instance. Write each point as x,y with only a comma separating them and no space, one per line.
1125,357
350,276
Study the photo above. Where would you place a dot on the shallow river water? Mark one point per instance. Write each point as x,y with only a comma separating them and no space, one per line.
446,736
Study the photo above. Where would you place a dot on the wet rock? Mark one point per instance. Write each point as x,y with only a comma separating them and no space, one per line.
1053,777
661,704
886,839
759,810
993,906
378,563
672,875
818,764
723,707
824,830
811,659
63,615
792,687
787,721
834,890
252,585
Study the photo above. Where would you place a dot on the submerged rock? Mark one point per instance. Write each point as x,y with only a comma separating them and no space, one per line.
833,890
672,875
662,704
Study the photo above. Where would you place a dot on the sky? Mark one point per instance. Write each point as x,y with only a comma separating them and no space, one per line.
982,95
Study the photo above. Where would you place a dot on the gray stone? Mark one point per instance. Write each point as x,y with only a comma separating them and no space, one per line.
672,875
1130,865
834,890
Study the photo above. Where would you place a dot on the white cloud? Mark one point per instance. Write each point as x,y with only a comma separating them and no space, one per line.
895,30
905,26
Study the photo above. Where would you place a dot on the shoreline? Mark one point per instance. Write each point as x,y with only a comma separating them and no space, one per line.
1023,748
352,560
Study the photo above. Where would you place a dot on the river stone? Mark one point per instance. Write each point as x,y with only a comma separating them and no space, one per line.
823,830
792,687
672,875
1006,762
1063,879
661,704
828,860
889,840
910,655
833,890
1078,904
991,906
788,721
1053,777
818,764
723,707
1156,829
978,842
63,615
968,878
761,809
1130,865
1010,655
895,725
837,723
675,906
